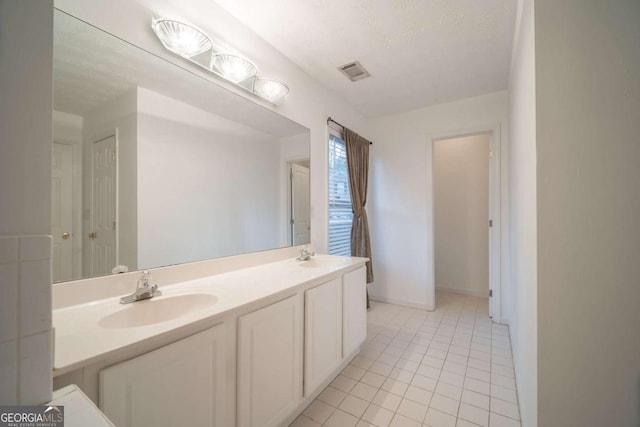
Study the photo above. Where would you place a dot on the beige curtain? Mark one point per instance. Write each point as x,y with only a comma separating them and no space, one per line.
358,164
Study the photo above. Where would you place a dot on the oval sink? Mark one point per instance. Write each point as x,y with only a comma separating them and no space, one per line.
156,310
319,262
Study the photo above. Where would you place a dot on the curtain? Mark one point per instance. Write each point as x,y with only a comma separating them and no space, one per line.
358,164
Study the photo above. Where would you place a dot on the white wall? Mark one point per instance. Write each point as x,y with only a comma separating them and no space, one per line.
202,192
26,49
120,115
295,147
522,159
399,204
67,127
588,182
461,214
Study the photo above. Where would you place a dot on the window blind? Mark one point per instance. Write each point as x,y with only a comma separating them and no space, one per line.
340,210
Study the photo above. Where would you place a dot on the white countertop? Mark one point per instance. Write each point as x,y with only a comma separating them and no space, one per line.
81,336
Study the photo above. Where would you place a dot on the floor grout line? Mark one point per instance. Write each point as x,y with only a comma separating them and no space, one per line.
396,332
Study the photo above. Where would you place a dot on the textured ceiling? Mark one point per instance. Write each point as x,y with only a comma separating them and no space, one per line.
419,52
88,70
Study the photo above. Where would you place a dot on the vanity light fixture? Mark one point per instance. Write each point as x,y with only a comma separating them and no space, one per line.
183,39
271,90
232,67
191,43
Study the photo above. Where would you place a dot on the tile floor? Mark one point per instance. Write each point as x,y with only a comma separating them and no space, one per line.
448,368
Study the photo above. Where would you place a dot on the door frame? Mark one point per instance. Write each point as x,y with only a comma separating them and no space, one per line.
287,207
496,282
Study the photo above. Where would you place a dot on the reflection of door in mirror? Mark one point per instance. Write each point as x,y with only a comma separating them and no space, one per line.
102,248
61,211
300,215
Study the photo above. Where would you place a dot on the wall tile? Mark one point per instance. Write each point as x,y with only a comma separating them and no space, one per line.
8,249
35,297
9,301
36,370
9,373
33,248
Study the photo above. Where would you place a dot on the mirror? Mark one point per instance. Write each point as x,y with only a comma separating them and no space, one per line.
154,164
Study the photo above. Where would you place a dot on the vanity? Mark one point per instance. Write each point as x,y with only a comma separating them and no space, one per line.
243,347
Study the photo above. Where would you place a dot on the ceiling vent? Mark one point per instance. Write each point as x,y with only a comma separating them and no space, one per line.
354,71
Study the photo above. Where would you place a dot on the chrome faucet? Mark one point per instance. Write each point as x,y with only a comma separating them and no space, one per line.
144,290
305,254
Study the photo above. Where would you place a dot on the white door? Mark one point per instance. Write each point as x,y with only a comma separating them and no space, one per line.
322,333
104,188
270,363
300,215
61,211
178,385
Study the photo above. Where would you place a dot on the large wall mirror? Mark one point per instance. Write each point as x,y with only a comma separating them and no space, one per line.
154,164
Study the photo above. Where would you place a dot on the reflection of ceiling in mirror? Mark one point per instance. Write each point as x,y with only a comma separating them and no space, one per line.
92,67
83,78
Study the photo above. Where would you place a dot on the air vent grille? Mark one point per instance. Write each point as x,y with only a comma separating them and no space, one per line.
354,71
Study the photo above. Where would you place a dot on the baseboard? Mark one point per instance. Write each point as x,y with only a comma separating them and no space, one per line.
504,322
461,291
404,303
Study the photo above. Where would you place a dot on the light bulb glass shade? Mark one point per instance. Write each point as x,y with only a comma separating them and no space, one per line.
271,90
183,39
233,67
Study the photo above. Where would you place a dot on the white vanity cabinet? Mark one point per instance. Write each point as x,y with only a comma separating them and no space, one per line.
180,384
264,356
322,333
269,369
354,320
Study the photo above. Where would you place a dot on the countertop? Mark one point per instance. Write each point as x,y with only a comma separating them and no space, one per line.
82,335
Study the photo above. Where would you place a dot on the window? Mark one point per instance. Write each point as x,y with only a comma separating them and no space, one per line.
340,210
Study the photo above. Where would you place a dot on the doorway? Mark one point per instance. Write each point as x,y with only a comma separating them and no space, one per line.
298,203
465,169
101,254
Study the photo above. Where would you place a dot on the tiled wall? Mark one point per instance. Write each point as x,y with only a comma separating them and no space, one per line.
25,319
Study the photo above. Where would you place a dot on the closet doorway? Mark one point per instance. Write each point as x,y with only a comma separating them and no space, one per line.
466,203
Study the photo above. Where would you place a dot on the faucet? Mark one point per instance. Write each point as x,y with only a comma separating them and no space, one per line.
143,290
305,254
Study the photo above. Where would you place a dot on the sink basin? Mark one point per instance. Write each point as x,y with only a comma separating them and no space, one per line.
318,262
156,310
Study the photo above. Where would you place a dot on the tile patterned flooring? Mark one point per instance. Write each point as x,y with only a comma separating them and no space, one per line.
448,368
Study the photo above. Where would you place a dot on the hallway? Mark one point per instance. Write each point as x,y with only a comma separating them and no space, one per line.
448,368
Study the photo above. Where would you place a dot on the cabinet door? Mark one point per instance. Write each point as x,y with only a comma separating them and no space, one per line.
323,333
177,385
354,309
270,363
